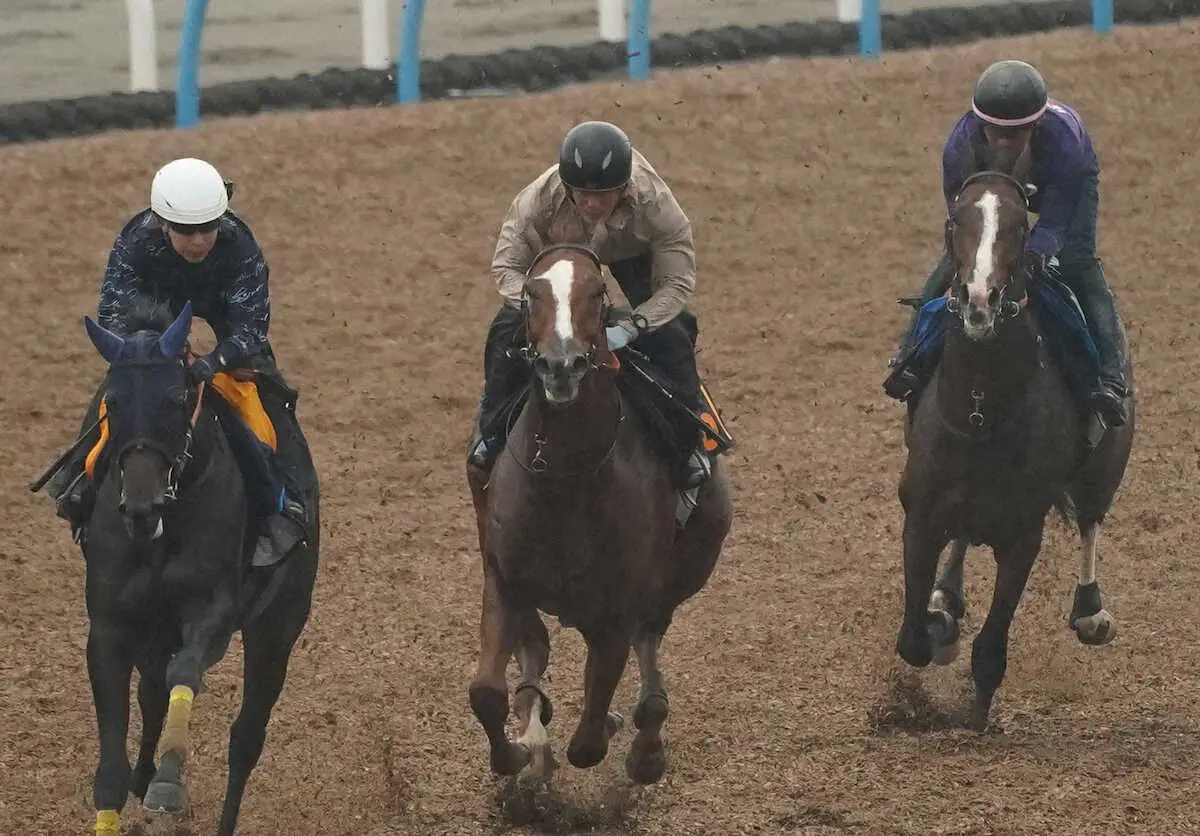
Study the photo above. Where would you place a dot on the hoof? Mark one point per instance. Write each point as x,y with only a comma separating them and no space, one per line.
981,707
586,755
646,762
165,797
1095,630
510,759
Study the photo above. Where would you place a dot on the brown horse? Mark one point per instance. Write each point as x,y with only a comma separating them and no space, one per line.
994,442
578,521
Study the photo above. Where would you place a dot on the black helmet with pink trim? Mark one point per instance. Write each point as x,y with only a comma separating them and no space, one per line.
1010,94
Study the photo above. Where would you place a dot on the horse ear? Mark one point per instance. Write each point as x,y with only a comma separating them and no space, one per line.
173,340
107,343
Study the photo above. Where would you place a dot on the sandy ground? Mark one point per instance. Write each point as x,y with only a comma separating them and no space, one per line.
63,48
814,204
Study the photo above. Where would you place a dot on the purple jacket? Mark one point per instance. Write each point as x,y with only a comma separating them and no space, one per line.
1063,160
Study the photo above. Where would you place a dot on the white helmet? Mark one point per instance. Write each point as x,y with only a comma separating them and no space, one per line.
188,191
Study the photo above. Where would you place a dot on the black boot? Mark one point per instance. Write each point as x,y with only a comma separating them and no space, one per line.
905,378
281,533
484,448
505,375
73,495
1108,397
697,469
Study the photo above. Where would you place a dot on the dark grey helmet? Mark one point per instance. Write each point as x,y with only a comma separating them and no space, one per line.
1010,94
596,156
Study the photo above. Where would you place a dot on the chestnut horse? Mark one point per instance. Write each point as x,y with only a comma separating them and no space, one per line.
994,442
578,521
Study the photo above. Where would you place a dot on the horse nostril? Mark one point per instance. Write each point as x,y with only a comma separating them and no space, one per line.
579,364
993,296
541,365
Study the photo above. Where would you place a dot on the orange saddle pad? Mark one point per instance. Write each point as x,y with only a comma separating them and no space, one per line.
242,395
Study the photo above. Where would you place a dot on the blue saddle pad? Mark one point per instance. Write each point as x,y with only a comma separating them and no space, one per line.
1058,311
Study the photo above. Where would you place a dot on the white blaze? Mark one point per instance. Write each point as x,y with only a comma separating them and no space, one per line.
985,256
561,277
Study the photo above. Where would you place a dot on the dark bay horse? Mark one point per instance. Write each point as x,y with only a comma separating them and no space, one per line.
168,577
578,521
994,442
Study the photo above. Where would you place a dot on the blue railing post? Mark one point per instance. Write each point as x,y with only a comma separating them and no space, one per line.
870,26
638,44
1102,16
187,95
408,73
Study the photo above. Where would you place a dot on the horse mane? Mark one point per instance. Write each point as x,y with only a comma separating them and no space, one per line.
149,314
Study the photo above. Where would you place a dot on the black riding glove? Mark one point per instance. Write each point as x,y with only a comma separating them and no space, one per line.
203,369
1041,266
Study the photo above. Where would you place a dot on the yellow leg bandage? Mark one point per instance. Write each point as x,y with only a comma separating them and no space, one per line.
179,713
108,822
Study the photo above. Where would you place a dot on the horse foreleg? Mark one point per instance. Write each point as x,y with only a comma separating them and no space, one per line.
647,761
498,630
922,632
205,626
989,654
110,669
152,699
1091,622
530,703
606,657
948,597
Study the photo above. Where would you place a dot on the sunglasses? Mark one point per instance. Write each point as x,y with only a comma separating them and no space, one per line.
193,229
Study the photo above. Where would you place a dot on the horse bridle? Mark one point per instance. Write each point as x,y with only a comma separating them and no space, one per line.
528,351
1009,308
538,464
178,462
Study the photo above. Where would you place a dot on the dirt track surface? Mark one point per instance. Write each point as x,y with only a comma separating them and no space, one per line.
814,190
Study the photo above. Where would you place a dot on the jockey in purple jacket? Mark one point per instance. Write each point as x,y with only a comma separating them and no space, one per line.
1014,127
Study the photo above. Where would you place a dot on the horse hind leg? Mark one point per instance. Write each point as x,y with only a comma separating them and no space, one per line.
530,703
607,654
498,636
267,647
647,761
948,597
1093,624
989,655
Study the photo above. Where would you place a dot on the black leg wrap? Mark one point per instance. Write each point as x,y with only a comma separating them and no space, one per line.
547,713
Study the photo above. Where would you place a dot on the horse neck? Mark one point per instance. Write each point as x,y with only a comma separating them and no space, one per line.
999,370
571,437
